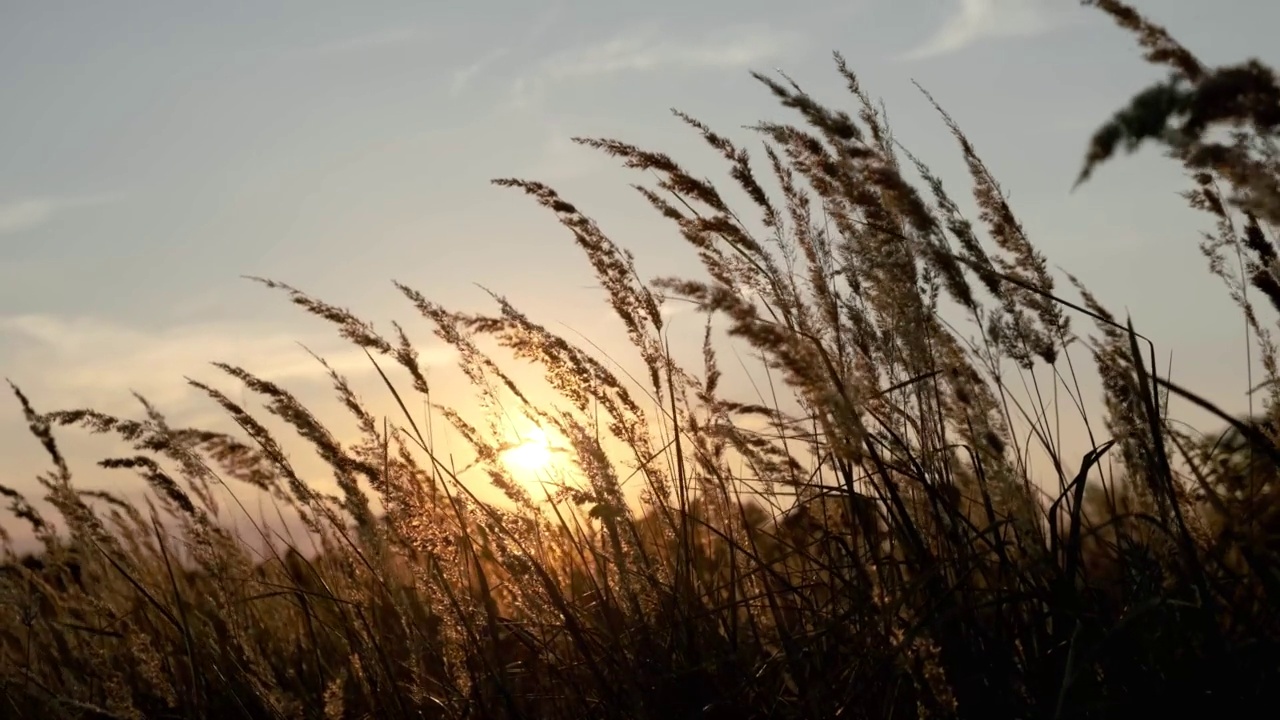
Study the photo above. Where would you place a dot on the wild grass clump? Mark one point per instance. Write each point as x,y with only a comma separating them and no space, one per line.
896,530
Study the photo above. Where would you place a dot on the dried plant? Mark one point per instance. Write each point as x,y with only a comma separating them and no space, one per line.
896,529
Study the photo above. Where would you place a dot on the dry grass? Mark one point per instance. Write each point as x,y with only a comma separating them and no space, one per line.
883,547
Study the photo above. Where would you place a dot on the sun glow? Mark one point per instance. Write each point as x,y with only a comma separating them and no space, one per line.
532,455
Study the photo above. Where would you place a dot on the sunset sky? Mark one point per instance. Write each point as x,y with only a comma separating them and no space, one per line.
155,152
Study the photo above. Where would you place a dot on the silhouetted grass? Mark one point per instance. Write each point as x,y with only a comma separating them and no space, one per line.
878,539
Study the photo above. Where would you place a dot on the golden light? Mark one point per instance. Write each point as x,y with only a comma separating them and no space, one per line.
533,455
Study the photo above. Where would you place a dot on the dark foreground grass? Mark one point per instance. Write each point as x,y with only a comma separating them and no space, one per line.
874,541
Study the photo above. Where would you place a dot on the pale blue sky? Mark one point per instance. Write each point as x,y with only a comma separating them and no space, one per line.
151,153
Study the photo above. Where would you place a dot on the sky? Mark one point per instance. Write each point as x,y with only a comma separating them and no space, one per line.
154,153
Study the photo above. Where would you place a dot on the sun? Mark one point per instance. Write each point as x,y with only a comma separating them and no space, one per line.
532,455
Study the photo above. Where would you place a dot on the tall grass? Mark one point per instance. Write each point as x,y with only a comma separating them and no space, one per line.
878,538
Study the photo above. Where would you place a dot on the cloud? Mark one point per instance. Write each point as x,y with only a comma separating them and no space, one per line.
674,307
649,48
85,361
977,20
28,213
371,41
463,76
560,159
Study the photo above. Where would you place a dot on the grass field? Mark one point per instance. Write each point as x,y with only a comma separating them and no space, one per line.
897,533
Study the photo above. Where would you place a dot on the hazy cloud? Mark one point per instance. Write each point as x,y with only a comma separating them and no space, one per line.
463,76
673,307
974,20
372,40
651,48
27,213
560,159
88,361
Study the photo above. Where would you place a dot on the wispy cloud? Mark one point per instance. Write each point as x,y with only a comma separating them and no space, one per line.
86,361
388,37
463,76
560,159
975,20
28,213
650,48
675,307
